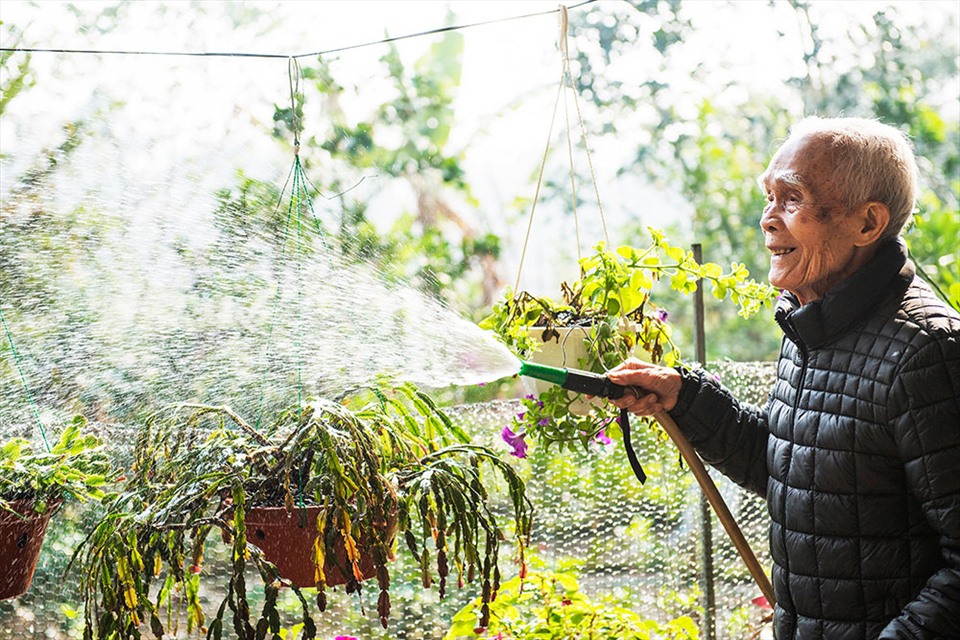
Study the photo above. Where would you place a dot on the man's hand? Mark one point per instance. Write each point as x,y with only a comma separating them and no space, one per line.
652,388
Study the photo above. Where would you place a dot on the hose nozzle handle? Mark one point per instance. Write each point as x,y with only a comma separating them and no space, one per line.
576,380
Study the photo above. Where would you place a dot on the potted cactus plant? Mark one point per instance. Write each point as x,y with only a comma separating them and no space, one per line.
607,315
34,483
349,475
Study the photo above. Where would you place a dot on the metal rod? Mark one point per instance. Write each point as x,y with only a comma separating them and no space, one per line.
706,525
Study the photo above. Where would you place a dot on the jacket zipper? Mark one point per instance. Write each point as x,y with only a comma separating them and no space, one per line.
793,424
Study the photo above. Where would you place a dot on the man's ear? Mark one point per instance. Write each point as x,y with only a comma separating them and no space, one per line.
873,219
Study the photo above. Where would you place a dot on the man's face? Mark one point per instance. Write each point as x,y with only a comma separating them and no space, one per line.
806,228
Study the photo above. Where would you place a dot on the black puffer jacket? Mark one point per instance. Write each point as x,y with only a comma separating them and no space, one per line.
858,454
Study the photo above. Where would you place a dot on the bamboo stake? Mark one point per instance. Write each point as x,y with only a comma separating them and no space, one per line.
719,506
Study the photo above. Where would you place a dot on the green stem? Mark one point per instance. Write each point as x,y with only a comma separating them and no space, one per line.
23,379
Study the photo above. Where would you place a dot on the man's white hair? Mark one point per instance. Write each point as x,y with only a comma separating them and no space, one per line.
874,162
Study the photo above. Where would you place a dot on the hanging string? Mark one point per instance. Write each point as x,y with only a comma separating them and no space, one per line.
276,298
583,138
536,194
299,295
294,74
23,379
299,202
564,76
564,52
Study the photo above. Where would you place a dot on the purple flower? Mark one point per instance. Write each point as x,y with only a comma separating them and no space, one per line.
602,437
544,422
662,315
345,638
515,442
530,396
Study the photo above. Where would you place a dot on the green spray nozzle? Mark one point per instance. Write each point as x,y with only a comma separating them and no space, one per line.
592,384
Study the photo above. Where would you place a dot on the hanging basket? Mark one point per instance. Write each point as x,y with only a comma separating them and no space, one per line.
277,532
21,537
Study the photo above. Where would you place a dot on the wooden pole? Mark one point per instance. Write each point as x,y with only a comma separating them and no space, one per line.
719,506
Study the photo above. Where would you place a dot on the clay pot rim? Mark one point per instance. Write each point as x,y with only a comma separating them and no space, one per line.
23,507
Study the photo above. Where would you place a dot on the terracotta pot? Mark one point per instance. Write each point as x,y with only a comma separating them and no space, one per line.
277,532
20,542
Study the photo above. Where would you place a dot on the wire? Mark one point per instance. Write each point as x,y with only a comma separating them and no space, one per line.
23,378
226,54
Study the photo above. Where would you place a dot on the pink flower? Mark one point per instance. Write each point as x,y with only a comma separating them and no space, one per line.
602,437
346,638
515,441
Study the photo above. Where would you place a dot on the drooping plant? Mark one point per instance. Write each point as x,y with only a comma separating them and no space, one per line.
201,469
34,483
75,467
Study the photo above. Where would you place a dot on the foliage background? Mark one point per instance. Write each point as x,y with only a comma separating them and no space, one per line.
137,191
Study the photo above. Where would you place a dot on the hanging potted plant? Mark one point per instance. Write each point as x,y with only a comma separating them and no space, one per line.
33,485
347,477
605,316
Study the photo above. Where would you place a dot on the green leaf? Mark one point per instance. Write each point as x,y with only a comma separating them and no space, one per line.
640,281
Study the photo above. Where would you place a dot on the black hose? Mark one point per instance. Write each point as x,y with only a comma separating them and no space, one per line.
631,454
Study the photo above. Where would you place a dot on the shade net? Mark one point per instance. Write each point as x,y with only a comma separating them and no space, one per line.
647,548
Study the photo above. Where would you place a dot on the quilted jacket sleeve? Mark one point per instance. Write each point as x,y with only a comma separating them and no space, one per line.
727,434
926,419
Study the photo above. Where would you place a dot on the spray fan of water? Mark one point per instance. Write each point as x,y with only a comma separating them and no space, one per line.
134,329
392,330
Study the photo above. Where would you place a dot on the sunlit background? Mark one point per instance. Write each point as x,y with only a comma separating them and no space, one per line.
135,180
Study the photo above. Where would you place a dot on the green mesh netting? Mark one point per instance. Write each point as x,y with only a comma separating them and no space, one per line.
639,547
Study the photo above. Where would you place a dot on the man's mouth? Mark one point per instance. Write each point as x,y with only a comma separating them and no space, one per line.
781,252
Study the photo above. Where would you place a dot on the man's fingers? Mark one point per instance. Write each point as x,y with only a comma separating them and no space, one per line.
645,405
628,365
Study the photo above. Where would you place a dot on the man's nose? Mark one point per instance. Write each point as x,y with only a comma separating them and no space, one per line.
768,221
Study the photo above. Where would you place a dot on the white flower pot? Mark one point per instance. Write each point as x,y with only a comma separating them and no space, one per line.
571,350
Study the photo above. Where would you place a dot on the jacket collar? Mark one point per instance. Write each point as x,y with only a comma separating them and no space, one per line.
819,322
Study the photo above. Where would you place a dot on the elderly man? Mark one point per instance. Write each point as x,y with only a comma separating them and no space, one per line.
858,447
